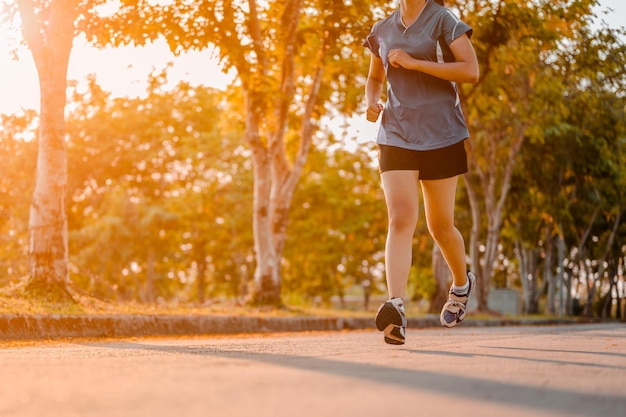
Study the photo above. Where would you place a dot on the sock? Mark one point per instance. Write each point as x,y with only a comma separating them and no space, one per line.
397,301
462,289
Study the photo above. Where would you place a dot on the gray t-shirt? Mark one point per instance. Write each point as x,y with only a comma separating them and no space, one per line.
422,112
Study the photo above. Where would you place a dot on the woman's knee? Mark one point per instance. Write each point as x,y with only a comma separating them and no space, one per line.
403,217
442,232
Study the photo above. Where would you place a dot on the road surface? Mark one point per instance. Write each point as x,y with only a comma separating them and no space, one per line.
573,370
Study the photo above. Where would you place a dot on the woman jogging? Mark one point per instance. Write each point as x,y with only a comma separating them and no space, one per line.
422,50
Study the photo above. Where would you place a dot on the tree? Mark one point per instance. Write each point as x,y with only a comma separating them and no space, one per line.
568,183
292,59
48,28
161,189
338,225
514,98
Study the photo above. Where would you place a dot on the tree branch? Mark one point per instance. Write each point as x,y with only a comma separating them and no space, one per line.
31,28
257,37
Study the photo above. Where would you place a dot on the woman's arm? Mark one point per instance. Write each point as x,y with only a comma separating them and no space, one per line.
464,70
374,88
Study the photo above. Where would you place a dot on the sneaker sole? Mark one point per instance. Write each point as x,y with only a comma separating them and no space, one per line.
389,321
394,335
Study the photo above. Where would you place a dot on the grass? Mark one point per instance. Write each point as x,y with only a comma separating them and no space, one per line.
85,305
15,299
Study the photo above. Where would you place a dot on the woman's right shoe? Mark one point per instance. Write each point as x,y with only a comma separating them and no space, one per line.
390,320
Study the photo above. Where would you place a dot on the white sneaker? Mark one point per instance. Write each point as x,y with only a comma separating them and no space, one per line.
455,309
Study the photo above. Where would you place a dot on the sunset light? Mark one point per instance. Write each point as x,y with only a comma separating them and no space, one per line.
123,70
383,207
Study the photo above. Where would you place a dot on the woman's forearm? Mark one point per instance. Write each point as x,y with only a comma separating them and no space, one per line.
373,91
461,72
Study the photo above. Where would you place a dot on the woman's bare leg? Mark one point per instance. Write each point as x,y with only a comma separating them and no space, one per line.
439,201
402,197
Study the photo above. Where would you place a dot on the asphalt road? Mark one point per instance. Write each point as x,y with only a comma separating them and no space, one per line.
573,370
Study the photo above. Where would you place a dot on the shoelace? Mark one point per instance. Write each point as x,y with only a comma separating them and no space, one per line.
454,303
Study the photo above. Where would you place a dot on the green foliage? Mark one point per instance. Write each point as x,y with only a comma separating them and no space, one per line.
18,154
422,284
570,182
536,58
159,185
337,227
258,45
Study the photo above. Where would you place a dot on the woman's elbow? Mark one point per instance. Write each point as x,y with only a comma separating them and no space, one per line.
473,74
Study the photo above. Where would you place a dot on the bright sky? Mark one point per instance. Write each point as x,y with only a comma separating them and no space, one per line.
124,71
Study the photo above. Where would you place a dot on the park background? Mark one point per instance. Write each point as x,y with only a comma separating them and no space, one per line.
161,178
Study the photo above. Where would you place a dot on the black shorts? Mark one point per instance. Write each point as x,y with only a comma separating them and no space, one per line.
432,165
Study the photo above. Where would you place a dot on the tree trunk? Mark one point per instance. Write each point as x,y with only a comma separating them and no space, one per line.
548,275
266,282
199,258
565,293
443,279
474,235
49,34
275,177
495,181
149,287
592,281
608,300
487,264
201,284
527,259
619,313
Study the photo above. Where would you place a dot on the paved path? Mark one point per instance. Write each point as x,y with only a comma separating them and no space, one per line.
574,370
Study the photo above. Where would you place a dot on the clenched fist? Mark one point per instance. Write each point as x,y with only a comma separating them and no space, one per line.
373,110
398,58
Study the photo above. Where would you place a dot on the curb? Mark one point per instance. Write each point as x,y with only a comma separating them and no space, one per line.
23,327
41,327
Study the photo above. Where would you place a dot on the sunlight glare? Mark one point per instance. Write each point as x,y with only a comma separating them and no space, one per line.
123,71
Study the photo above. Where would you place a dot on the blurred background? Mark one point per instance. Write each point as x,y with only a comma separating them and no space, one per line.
174,115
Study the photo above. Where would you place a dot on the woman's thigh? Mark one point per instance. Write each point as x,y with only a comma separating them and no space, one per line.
401,190
439,201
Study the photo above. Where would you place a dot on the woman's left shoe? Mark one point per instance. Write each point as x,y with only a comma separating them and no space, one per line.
455,309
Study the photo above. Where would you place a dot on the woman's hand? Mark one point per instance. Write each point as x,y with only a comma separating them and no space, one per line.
373,111
399,58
